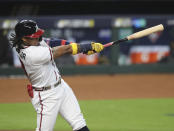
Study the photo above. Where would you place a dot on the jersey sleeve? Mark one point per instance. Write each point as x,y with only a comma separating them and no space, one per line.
52,42
40,55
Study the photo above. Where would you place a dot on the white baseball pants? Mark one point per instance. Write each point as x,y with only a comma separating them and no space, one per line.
48,104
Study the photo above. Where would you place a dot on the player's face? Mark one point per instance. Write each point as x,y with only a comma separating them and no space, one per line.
31,41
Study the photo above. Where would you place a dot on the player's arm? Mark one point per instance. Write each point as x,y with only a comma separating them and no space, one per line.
75,48
53,42
61,50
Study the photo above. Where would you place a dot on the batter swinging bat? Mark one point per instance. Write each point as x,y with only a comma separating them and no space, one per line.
137,35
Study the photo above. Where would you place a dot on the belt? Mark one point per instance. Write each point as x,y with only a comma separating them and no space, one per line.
47,87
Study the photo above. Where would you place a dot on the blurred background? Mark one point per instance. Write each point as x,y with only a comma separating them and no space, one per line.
103,21
112,86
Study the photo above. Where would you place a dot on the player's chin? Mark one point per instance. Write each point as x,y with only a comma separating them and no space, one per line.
37,44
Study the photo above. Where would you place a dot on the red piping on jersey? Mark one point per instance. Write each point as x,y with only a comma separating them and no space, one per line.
47,42
40,112
25,46
63,42
51,54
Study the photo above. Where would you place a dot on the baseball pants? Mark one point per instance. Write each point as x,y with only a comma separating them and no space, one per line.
48,104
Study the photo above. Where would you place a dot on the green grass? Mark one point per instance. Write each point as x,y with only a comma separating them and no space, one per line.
101,115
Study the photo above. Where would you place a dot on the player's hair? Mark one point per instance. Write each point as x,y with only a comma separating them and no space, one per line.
16,42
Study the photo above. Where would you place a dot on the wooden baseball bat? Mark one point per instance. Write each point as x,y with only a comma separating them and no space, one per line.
139,34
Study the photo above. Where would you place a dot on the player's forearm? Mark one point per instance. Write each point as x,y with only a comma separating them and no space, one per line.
75,48
61,50
72,48
53,42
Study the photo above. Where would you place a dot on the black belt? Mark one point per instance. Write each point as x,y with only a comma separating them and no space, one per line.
47,87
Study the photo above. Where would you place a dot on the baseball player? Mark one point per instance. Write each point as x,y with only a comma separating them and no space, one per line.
50,94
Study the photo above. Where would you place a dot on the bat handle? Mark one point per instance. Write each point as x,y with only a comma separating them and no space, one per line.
108,44
115,42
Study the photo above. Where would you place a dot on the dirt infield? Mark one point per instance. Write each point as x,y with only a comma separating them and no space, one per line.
99,87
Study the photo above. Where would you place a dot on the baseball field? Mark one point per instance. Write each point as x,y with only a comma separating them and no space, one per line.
134,102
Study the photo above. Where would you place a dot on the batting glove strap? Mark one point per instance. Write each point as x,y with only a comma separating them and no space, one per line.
74,47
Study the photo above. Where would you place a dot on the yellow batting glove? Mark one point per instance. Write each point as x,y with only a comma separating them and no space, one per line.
97,47
90,52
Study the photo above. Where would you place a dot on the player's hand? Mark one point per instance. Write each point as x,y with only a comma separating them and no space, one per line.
96,47
86,49
90,52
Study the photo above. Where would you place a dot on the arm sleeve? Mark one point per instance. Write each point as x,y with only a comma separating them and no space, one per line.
40,55
52,42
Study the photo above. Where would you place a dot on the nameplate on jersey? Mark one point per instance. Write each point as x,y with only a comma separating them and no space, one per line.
22,55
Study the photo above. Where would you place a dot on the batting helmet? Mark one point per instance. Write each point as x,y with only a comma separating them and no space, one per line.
28,28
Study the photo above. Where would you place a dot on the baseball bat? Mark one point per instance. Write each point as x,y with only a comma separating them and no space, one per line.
137,35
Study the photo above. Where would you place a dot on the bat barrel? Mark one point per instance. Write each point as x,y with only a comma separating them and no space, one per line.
146,32
139,34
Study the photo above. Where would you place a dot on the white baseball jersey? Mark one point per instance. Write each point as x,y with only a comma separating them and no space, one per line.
39,65
41,71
